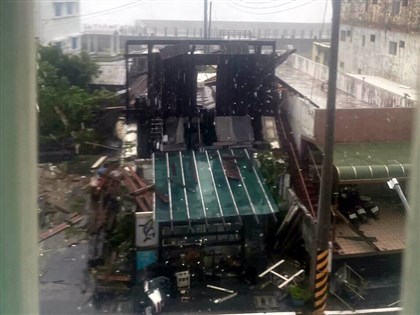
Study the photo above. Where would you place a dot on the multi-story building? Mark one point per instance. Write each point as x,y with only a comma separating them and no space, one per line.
58,22
381,38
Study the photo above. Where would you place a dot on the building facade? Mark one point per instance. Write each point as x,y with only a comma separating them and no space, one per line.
57,22
381,38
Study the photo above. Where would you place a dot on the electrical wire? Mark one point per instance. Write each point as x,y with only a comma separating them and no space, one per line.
111,10
258,5
233,4
70,19
67,20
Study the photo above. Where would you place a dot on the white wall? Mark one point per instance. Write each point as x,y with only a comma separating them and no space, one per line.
358,88
374,58
301,117
58,29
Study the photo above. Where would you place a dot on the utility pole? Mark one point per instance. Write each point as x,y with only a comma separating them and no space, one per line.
205,18
210,11
325,194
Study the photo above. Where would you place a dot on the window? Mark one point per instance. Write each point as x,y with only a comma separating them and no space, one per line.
57,9
404,3
401,44
341,65
393,48
363,40
366,5
343,36
69,6
372,38
374,1
395,8
74,43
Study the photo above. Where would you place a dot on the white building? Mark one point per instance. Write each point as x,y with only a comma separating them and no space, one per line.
101,39
381,38
58,22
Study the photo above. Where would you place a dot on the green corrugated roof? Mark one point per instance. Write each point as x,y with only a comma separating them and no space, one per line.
372,161
198,188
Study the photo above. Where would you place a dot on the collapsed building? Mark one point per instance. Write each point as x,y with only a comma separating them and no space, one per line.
199,114
202,138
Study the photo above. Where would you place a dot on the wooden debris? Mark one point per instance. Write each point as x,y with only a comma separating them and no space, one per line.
61,227
99,162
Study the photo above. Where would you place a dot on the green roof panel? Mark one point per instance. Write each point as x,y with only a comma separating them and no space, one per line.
375,161
199,188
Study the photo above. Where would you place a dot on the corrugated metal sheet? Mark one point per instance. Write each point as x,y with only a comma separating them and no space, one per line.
199,189
372,161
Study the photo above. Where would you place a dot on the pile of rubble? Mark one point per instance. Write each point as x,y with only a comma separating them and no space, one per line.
62,199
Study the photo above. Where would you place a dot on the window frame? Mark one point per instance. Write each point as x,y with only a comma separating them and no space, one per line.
392,48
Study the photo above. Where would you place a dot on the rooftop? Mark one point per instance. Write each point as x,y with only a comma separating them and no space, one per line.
217,185
315,90
391,86
387,233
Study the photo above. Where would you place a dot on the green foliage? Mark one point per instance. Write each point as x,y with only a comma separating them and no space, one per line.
273,165
124,231
66,106
77,69
299,293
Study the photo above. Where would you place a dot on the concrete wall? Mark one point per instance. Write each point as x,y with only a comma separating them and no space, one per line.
300,115
358,54
381,14
219,28
367,125
50,28
355,87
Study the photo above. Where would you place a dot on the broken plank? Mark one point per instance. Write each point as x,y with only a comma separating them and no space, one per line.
143,189
113,277
99,162
59,228
132,187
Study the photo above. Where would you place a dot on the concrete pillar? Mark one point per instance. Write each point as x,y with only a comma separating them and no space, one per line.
117,43
88,43
95,43
112,45
18,155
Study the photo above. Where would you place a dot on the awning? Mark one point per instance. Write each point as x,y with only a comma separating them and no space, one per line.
378,161
213,185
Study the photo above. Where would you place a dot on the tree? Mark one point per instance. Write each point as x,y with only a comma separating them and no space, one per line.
66,106
78,69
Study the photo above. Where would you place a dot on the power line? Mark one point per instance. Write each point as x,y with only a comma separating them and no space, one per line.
70,19
233,4
262,7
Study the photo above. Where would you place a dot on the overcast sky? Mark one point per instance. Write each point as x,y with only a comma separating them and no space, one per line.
124,12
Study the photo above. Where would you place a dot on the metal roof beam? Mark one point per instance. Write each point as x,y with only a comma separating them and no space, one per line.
187,206
200,190
171,214
215,189
261,186
246,190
